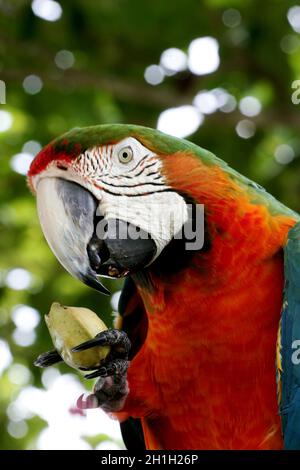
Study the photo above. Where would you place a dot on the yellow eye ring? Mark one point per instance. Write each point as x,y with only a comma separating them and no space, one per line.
125,155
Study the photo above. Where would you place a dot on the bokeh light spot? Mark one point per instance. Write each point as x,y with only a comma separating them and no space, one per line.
6,121
206,102
154,74
25,318
203,55
17,429
18,374
18,279
250,106
181,121
21,162
231,18
32,146
64,59
24,338
293,17
245,129
48,10
5,356
49,376
32,84
229,104
174,60
284,154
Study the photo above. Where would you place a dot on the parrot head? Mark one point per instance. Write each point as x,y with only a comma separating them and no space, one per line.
107,198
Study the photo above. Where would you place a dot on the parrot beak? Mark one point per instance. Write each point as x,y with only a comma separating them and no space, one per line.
67,214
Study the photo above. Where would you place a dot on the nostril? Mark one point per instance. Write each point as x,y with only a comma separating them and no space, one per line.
97,252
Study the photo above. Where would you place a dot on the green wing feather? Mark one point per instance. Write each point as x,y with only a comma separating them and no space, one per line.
288,347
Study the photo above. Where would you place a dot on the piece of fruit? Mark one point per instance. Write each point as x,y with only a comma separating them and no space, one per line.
71,326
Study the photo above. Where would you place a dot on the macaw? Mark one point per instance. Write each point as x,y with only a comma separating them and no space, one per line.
206,325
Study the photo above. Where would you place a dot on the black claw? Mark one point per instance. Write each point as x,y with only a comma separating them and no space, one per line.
117,367
47,359
86,369
117,339
102,372
88,344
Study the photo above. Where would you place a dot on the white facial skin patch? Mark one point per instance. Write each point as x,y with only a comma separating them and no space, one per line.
159,214
126,169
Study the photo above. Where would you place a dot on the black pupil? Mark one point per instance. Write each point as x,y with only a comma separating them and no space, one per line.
125,155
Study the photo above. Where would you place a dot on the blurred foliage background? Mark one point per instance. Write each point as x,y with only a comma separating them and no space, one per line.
218,72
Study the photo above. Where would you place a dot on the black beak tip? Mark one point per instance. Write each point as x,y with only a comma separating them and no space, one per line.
91,281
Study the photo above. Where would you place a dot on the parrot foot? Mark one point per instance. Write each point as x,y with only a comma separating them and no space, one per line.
111,389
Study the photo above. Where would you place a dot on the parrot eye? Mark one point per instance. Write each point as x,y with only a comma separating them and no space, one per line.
125,155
